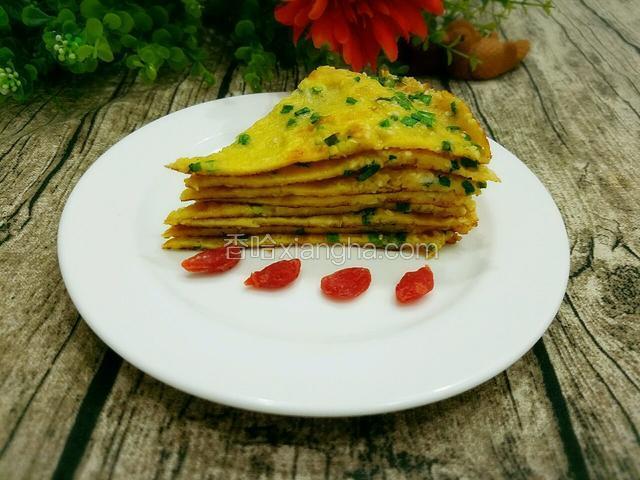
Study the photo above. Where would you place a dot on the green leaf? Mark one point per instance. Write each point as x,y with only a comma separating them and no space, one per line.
127,22
5,55
33,17
159,15
92,9
142,21
112,21
129,41
243,53
149,55
162,37
133,61
66,15
70,26
85,51
104,50
4,18
31,71
244,29
93,30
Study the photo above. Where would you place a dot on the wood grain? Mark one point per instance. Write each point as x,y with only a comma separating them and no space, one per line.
567,409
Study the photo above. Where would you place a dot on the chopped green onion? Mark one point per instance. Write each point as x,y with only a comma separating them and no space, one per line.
466,136
331,140
454,108
404,207
453,128
426,99
291,122
469,163
195,167
367,213
302,111
454,165
356,79
368,171
427,118
351,101
481,184
402,100
385,123
334,237
286,108
409,121
392,158
468,187
244,139
314,118
316,90
446,146
444,181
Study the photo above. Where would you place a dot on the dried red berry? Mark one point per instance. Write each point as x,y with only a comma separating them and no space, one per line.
215,260
276,275
414,285
346,283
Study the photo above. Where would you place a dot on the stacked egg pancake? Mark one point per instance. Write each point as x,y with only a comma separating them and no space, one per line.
346,158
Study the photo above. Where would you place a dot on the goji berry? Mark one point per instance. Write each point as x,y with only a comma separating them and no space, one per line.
346,283
215,260
276,275
414,285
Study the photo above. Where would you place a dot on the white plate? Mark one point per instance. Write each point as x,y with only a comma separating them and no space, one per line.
293,351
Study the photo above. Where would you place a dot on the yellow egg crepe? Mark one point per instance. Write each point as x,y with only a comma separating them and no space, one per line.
345,158
431,241
360,166
336,113
223,210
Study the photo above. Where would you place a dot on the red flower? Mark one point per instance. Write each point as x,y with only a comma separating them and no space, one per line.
358,29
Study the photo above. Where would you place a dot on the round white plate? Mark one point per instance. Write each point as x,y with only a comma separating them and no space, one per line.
293,351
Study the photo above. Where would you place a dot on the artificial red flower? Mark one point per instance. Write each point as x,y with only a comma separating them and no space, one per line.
358,29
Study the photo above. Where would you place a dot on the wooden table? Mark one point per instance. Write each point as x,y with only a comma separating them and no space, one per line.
569,408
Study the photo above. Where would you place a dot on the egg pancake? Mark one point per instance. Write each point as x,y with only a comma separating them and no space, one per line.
187,231
360,166
369,218
224,210
434,239
383,182
337,113
357,201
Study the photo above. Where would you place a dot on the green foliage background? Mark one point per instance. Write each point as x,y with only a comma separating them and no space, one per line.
41,40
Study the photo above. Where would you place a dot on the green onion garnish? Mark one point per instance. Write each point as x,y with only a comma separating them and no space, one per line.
468,187
444,181
195,167
446,146
302,111
404,207
469,163
244,139
351,101
368,171
385,123
409,121
331,140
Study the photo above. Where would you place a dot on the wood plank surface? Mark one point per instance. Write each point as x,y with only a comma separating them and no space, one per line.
570,408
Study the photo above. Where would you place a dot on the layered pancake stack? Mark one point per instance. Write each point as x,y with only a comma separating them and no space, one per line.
346,158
